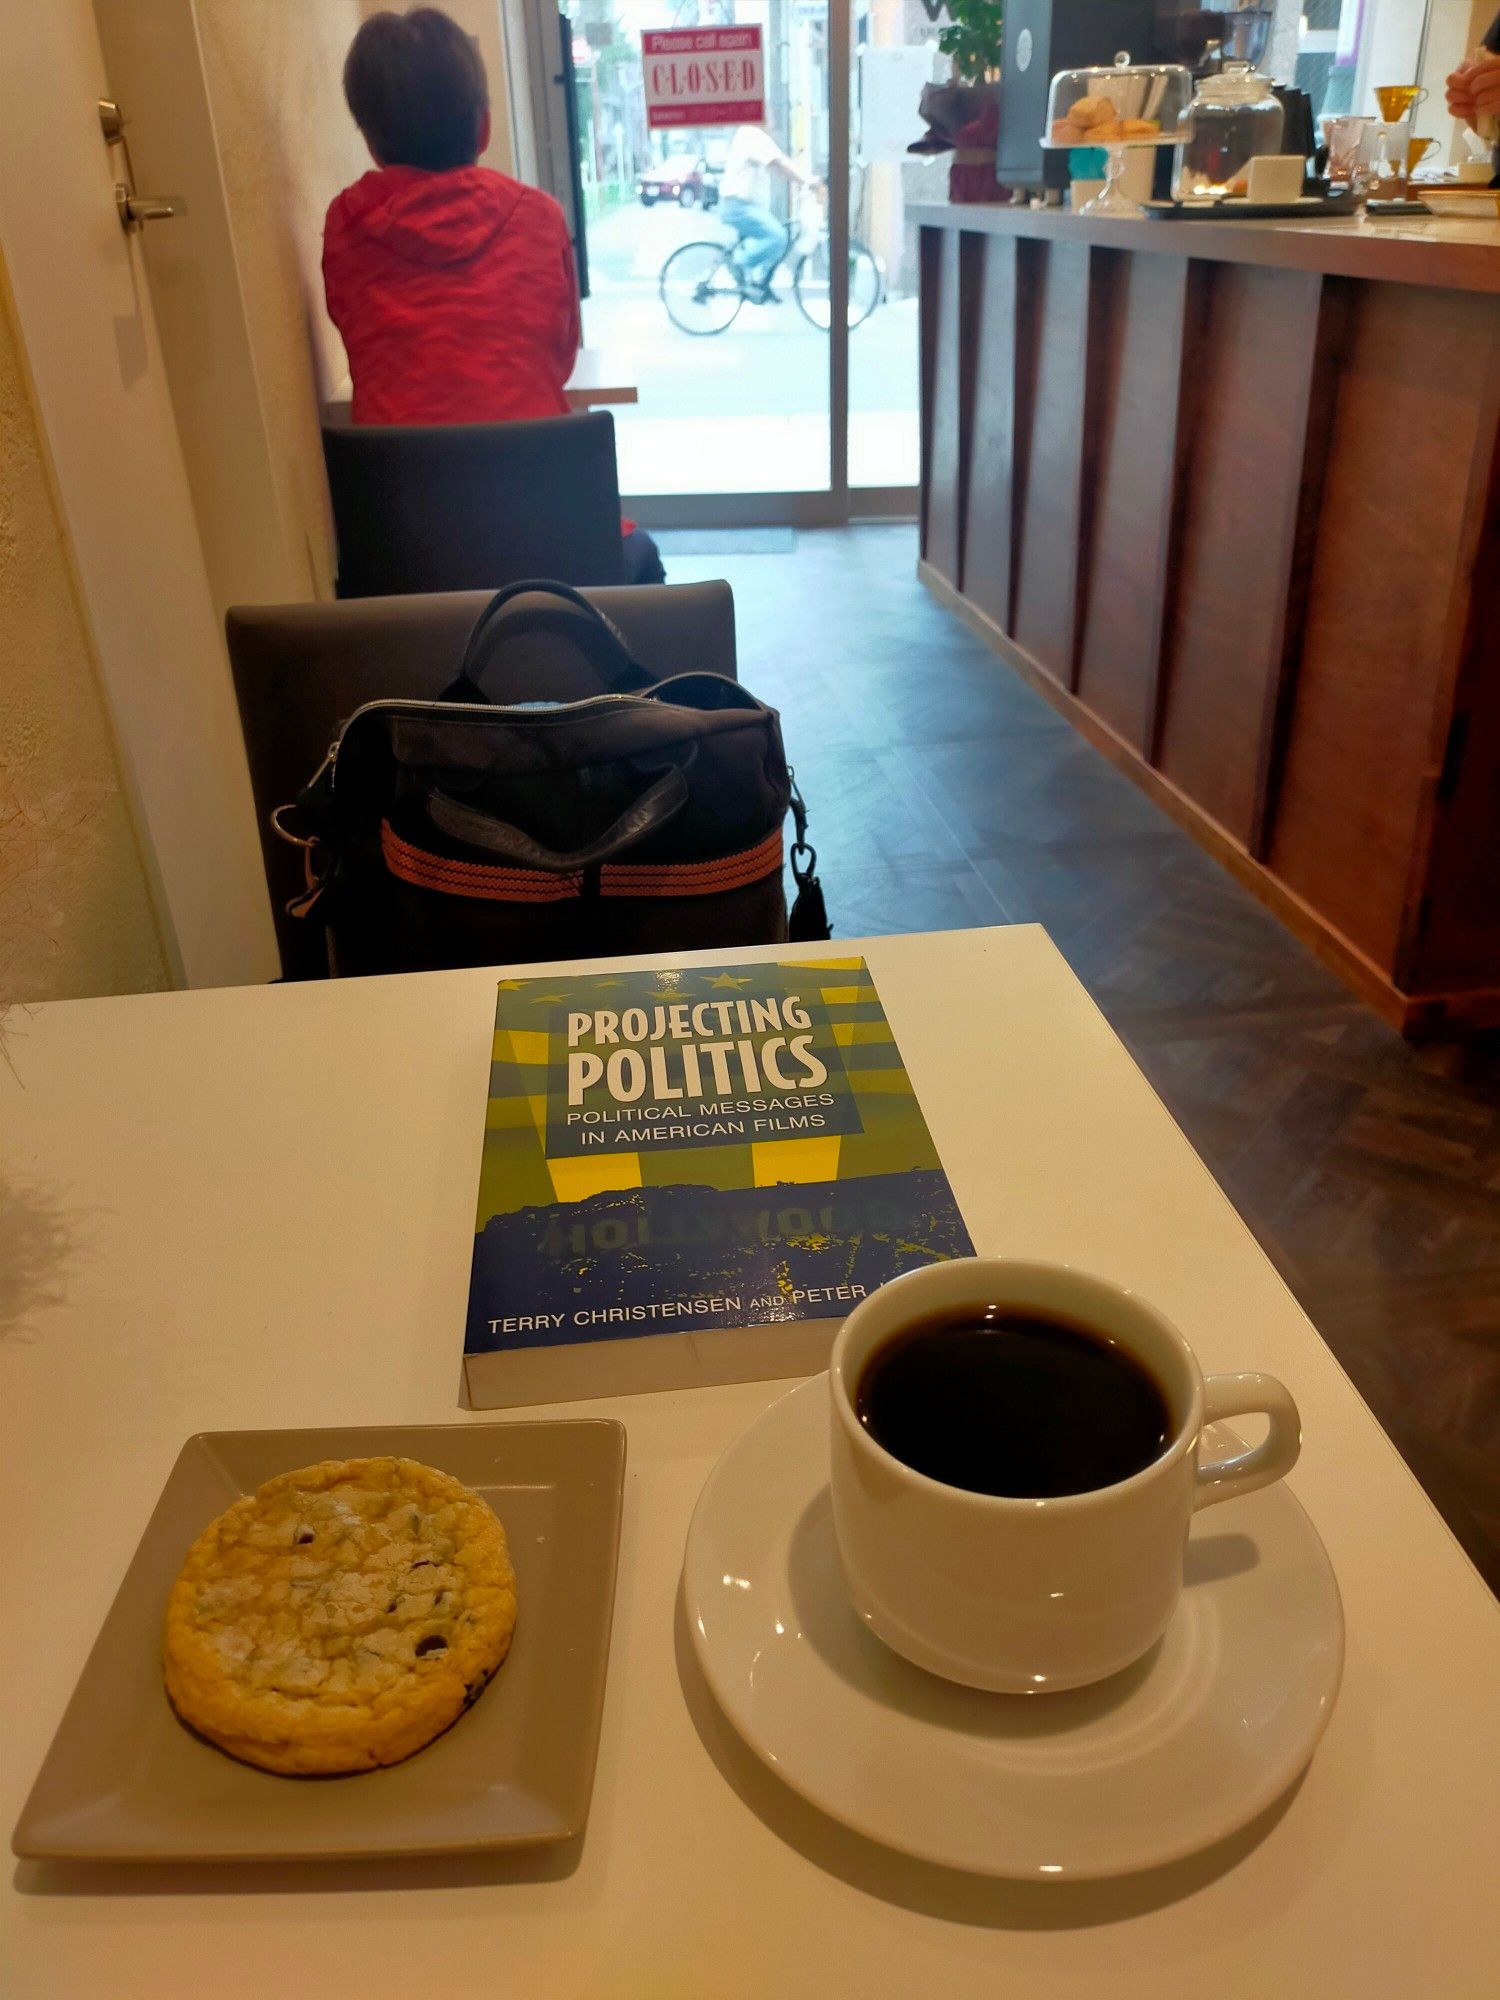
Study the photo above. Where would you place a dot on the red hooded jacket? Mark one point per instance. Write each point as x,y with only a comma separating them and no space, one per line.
455,294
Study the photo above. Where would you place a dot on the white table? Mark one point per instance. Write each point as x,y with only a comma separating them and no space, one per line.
597,379
269,1194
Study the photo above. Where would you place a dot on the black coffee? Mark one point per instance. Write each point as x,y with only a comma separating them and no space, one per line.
1014,1404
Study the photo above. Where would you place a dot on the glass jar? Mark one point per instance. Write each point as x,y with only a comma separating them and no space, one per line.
1130,104
1234,117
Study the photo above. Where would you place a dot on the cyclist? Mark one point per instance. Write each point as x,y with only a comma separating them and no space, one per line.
744,197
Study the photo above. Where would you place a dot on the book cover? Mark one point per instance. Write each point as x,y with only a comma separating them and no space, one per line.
692,1176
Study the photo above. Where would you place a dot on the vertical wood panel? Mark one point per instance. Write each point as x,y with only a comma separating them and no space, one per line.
1460,946
1222,651
970,283
1135,362
1369,718
1031,272
988,526
943,546
1106,276
1046,566
929,279
1187,413
1335,309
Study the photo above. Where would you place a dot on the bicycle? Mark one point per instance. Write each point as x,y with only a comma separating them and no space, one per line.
703,285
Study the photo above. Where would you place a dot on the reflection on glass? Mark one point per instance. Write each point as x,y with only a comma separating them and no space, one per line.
1348,51
894,54
722,340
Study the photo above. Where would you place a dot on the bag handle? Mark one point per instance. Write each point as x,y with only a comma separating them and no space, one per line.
567,614
656,805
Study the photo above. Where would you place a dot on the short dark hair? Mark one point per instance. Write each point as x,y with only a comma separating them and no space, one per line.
417,88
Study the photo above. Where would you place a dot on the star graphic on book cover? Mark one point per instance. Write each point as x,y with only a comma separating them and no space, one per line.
548,999
509,985
728,979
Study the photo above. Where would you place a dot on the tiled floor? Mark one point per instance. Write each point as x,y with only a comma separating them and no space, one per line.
946,793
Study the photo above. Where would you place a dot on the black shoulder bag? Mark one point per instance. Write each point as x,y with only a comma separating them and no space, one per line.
494,827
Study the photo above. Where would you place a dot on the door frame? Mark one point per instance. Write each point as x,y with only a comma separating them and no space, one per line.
98,381
826,507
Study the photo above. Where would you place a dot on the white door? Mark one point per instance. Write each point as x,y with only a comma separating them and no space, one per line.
90,339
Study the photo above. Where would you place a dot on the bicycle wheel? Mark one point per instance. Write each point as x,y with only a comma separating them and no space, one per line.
812,282
700,288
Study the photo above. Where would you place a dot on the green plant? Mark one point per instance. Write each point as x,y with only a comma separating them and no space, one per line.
972,38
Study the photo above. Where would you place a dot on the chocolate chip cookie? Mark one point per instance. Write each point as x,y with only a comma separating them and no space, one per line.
340,1617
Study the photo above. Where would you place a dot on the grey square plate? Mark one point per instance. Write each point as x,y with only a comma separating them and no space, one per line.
125,1781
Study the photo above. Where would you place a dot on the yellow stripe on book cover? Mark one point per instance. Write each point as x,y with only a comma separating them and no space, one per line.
589,1173
800,1160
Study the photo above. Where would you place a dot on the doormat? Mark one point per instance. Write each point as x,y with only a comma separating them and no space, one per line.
725,541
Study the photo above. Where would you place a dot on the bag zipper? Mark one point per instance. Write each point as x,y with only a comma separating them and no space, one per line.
489,710
483,708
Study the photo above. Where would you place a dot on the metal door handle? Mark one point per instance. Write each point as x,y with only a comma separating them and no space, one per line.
135,210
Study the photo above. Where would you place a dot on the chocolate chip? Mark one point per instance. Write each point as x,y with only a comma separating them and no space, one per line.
306,1536
425,1563
433,1643
438,1596
391,1606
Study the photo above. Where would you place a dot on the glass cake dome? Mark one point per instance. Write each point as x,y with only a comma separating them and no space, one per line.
1127,104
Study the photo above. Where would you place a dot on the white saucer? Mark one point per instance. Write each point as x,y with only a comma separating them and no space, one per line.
1159,1761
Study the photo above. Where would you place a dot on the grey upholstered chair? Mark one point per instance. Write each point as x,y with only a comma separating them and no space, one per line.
300,670
474,506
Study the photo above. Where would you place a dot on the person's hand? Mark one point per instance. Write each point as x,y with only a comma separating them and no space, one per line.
1473,90
1484,86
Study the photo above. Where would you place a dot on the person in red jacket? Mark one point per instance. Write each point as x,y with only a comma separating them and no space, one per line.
453,286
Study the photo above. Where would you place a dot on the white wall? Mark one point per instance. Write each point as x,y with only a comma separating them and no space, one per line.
511,15
286,146
76,910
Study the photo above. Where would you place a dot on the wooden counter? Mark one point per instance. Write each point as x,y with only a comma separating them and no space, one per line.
1229,496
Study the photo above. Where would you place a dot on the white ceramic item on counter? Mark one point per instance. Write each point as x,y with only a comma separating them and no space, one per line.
1171,1755
1027,1595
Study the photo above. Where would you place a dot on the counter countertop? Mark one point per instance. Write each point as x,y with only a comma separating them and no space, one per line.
1463,255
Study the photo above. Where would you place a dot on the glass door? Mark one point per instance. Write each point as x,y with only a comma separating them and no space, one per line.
721,280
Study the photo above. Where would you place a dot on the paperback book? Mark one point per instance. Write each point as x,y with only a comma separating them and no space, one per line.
691,1176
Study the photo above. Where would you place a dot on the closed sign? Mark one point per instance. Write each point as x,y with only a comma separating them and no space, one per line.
703,76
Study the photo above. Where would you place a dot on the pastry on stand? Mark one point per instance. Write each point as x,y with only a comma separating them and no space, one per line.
1130,104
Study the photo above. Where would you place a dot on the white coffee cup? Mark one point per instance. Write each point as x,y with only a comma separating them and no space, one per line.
1476,173
1276,177
1020,1595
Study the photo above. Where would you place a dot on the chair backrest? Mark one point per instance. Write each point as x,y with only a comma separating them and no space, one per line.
301,670
474,506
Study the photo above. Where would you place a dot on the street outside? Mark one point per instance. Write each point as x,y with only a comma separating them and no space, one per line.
745,410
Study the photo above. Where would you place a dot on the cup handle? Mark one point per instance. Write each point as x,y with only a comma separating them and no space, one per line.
1244,1395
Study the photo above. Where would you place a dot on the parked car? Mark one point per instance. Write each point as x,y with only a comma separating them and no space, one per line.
685,178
